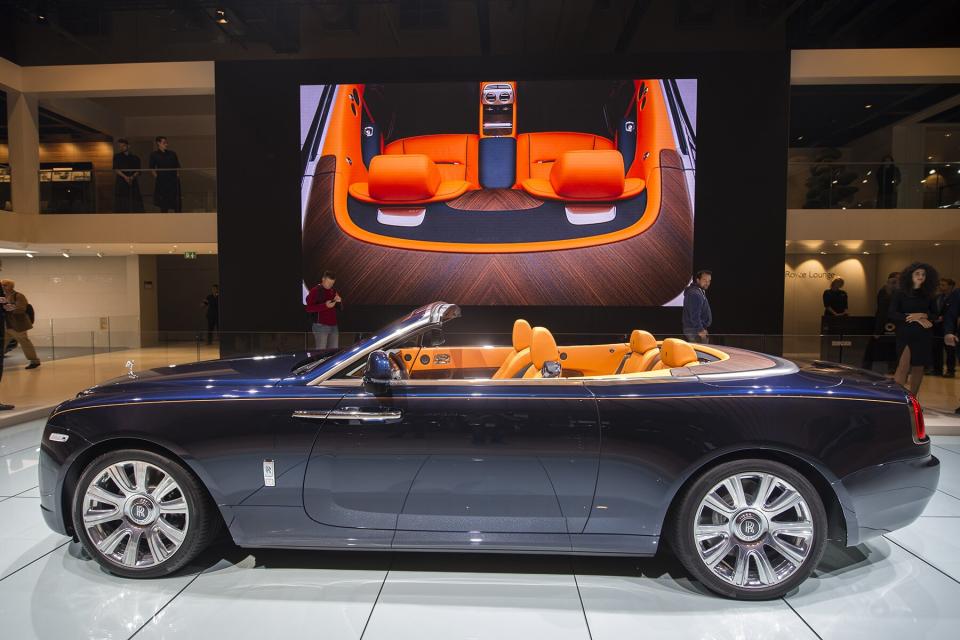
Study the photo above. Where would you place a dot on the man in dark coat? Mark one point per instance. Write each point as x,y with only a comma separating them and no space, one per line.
126,189
3,323
166,189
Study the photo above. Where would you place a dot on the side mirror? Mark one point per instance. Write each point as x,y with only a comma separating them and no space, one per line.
379,372
551,369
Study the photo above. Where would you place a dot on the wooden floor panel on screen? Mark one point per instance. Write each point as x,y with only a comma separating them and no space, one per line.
649,269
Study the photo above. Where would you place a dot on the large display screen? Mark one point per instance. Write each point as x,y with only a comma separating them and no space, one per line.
500,192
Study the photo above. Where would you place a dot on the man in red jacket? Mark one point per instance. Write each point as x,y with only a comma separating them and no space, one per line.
324,300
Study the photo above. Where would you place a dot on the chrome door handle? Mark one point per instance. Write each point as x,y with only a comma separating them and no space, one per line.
310,415
355,413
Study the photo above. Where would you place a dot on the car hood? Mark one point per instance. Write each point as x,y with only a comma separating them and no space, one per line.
257,370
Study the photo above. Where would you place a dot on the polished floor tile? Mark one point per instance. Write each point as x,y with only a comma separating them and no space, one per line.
63,597
24,536
942,505
878,590
663,606
936,540
18,471
249,600
477,604
949,471
20,437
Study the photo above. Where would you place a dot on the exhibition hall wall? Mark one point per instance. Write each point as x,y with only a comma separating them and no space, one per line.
279,229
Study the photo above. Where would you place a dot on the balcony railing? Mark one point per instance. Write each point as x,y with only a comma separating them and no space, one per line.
869,185
73,188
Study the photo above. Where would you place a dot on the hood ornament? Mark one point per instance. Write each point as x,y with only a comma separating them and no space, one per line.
130,372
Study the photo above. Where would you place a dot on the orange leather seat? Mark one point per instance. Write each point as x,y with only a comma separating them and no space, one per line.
676,353
406,179
589,176
517,362
543,348
536,152
455,154
643,352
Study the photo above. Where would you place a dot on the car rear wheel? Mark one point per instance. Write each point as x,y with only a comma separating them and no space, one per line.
141,515
750,529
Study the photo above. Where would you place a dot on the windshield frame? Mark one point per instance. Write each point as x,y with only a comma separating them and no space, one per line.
434,314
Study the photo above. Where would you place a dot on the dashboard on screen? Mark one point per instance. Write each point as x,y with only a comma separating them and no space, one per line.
500,192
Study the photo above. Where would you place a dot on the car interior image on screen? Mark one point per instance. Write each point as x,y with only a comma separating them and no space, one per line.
441,189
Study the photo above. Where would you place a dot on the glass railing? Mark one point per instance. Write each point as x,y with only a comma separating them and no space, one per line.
80,352
869,185
74,188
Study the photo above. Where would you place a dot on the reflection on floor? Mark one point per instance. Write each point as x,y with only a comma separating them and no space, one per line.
906,584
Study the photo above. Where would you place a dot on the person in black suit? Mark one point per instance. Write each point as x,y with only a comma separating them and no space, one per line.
947,296
3,323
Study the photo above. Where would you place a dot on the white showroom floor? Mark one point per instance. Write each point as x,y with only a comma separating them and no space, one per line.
905,585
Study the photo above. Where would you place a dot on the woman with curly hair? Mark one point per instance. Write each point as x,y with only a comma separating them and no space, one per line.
913,308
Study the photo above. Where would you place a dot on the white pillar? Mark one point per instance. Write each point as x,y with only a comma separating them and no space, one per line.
24,139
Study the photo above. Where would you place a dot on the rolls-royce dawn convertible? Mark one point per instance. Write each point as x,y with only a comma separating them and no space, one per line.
744,464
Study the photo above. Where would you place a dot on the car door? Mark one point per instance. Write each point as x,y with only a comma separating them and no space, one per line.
451,462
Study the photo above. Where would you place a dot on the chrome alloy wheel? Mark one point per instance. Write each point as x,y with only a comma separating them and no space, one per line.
135,514
753,530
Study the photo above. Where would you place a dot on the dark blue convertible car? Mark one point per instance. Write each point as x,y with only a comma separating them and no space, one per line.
745,464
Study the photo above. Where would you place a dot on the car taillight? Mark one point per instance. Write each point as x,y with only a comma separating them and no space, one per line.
919,428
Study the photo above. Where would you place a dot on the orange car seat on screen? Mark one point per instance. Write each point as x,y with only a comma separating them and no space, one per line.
676,353
536,152
455,154
406,179
643,352
590,176
518,360
543,348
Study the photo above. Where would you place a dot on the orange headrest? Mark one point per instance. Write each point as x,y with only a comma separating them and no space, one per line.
677,353
396,178
521,334
596,174
642,341
543,348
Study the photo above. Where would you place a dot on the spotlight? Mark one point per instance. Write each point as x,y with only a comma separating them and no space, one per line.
29,255
866,253
823,253
932,171
65,254
886,244
868,106
99,255
221,17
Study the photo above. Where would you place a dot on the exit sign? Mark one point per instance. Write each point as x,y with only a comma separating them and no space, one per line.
190,255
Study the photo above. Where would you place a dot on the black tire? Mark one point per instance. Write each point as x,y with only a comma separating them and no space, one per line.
204,521
683,542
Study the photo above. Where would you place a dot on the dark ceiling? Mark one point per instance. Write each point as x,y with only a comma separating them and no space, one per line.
34,32
834,115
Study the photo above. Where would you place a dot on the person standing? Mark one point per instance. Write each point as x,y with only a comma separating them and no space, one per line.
126,190
880,348
947,297
912,309
164,164
888,182
324,300
212,304
3,323
835,299
697,315
17,322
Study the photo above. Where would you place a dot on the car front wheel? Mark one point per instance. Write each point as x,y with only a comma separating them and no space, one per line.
750,529
141,515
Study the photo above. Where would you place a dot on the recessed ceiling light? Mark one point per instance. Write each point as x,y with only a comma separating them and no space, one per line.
866,253
932,171
65,254
929,157
799,138
836,244
99,255
936,244
222,17
88,246
886,244
946,135
29,255
823,253
864,181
